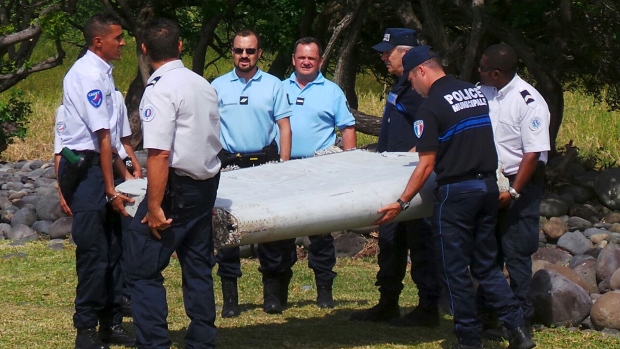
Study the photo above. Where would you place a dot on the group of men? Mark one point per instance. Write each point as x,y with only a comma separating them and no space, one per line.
247,117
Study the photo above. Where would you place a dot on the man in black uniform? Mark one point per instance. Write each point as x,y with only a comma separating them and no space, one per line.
395,239
455,139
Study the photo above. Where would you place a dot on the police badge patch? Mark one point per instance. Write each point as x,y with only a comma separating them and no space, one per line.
95,97
147,114
418,128
535,124
61,127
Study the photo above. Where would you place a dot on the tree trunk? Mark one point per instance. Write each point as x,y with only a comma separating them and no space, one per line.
405,13
474,40
365,123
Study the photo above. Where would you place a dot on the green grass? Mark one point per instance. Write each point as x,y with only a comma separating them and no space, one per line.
37,285
593,129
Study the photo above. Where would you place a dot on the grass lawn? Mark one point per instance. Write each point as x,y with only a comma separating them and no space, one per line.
37,288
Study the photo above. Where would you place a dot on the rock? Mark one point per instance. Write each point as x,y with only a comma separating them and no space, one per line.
552,255
614,228
596,238
586,270
605,312
614,238
5,202
612,217
554,228
14,186
553,207
594,252
572,276
4,230
604,286
48,208
348,244
7,214
42,227
608,261
17,196
24,240
614,282
27,200
579,223
579,194
580,258
607,188
585,212
557,300
43,182
61,228
539,264
26,216
602,244
20,231
575,243
47,191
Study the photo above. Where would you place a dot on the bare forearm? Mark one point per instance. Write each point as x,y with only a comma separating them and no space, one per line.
157,168
105,161
349,139
526,170
285,138
419,176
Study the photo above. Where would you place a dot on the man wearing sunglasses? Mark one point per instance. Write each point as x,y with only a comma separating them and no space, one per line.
254,111
520,120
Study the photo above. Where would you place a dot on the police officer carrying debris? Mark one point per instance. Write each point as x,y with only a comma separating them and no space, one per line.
181,133
84,170
318,106
251,104
455,139
396,239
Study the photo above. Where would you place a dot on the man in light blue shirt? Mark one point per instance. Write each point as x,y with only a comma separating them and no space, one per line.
319,106
251,104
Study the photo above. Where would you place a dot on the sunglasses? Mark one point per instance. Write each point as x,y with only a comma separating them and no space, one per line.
249,51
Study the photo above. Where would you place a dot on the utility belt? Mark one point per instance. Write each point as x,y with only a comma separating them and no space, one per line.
76,166
174,190
538,177
267,154
466,177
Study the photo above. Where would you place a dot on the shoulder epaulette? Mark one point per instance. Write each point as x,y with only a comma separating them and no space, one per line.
152,83
527,97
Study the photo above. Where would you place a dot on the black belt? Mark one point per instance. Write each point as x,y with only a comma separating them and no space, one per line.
467,177
91,157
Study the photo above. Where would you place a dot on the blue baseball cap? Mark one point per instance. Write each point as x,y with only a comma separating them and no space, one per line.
396,36
417,56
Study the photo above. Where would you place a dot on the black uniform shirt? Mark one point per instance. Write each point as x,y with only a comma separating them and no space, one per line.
400,111
454,121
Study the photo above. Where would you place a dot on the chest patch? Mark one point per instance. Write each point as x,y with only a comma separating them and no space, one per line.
418,128
299,101
392,97
148,113
95,97
243,100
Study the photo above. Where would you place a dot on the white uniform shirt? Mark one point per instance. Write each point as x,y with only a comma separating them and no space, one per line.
520,118
122,129
179,113
89,103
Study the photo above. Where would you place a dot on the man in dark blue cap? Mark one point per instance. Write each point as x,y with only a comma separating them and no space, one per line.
396,239
455,139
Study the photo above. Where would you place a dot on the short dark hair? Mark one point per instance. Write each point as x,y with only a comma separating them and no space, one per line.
161,38
502,57
97,25
307,41
245,33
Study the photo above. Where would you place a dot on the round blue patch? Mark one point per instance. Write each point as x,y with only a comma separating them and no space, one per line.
95,97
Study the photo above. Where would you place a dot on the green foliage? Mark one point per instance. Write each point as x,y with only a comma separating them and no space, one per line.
13,115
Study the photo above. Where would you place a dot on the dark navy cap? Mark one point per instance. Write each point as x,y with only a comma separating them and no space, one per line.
417,56
397,36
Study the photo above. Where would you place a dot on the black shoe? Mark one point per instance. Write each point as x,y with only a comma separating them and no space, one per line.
418,317
231,298
126,305
324,297
87,339
520,339
116,335
271,295
382,312
497,334
285,280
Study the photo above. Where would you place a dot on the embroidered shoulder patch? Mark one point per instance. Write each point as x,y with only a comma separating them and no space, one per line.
95,97
148,113
535,123
418,128
527,97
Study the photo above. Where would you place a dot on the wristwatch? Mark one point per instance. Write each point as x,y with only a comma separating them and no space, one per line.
514,193
403,205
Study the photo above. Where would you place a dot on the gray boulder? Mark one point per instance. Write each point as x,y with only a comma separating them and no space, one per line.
27,200
608,261
50,172
579,194
13,186
42,227
614,228
554,228
593,231
572,276
578,259
4,230
586,212
17,195
614,282
553,207
575,243
19,232
607,188
348,244
557,300
7,214
552,255
44,182
26,216
61,228
46,191
605,313
586,270
5,202
612,217
579,223
48,208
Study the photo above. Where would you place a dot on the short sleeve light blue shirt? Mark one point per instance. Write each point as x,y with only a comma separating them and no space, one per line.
317,109
249,111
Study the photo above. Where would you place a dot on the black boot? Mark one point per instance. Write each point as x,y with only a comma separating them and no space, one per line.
126,304
285,280
384,311
271,295
324,298
421,316
231,298
116,335
520,339
87,339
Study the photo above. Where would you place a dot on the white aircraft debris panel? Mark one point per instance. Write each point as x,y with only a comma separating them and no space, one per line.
312,196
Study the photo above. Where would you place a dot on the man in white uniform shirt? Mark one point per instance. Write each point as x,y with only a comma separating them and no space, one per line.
180,124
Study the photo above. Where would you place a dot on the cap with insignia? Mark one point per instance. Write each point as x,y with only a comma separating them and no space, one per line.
395,37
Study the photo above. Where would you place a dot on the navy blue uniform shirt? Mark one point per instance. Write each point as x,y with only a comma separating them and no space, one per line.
454,121
400,111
